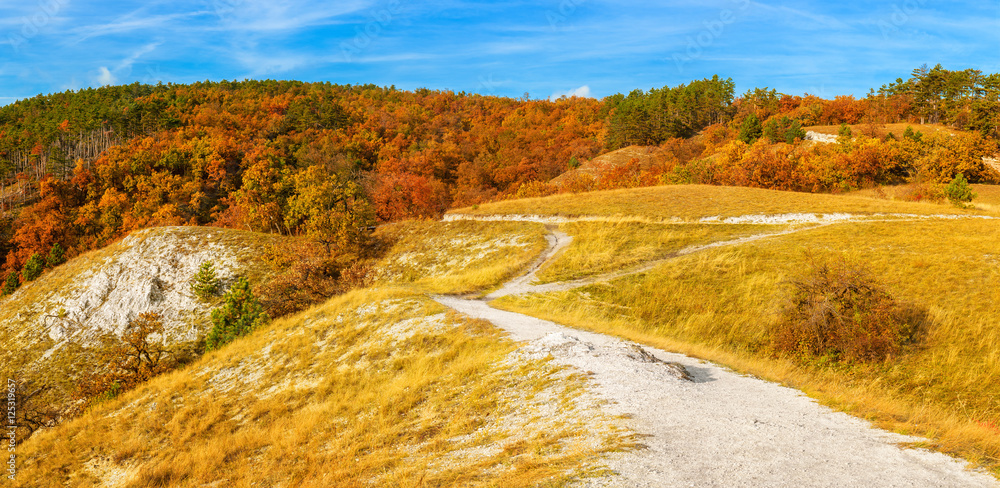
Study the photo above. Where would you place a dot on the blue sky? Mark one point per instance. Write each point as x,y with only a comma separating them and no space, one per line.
546,48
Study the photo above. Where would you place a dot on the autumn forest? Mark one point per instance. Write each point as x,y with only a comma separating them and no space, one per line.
82,169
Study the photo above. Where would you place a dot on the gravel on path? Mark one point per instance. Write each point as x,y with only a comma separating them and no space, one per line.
719,429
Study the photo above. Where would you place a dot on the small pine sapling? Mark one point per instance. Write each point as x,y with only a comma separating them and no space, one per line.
11,284
241,314
205,283
959,192
844,134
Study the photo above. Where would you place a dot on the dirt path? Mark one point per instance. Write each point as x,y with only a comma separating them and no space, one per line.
721,429
559,240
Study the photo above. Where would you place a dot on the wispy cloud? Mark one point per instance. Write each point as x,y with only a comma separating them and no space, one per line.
582,92
269,15
469,44
133,22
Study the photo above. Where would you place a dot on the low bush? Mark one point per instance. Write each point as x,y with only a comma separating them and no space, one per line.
839,312
138,355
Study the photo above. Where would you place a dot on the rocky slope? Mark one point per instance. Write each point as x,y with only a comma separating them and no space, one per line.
50,327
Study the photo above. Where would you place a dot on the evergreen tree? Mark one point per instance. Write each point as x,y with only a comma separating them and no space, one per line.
57,256
11,284
959,192
33,268
910,134
751,130
772,131
794,131
205,284
241,314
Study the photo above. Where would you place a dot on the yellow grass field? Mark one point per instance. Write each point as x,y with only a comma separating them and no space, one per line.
456,257
375,388
723,305
602,247
693,202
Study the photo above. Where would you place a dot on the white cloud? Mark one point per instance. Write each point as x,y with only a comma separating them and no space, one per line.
131,23
268,15
104,77
127,63
582,92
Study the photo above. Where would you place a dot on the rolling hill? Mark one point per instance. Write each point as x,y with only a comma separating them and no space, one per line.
389,385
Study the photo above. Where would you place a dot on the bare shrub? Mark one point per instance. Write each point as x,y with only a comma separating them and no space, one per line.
130,360
31,409
839,312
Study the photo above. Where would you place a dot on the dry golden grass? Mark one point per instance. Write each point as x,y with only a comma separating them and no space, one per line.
602,247
457,257
374,388
692,202
987,197
722,305
896,129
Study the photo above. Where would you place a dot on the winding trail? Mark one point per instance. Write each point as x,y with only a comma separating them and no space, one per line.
718,428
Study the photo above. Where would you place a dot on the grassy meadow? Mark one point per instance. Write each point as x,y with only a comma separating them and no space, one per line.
694,202
456,257
723,304
602,247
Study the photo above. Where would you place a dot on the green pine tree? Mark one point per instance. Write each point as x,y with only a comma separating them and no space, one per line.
959,192
794,131
771,130
912,135
241,314
205,284
33,268
57,256
751,129
845,132
11,284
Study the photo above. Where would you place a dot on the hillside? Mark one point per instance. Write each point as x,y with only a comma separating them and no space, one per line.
51,328
402,384
379,386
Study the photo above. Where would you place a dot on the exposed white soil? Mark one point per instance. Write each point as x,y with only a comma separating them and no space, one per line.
820,137
992,163
721,429
150,273
522,284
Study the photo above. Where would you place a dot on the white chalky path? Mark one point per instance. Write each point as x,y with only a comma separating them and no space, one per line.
722,429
